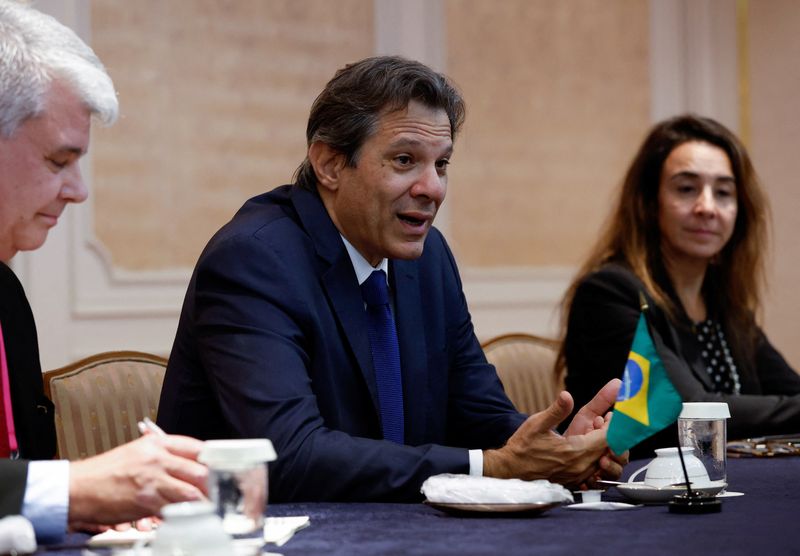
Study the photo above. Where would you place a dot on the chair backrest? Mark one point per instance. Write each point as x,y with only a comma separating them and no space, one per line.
526,366
99,400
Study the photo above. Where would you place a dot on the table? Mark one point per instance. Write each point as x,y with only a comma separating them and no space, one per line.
761,522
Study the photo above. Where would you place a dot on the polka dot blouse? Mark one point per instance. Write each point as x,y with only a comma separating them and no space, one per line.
717,357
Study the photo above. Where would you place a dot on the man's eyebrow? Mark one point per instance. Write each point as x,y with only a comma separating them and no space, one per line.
67,149
405,142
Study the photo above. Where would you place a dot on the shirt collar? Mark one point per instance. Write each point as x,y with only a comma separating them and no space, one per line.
361,266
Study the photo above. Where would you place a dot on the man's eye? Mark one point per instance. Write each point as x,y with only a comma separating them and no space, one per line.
443,163
58,163
403,159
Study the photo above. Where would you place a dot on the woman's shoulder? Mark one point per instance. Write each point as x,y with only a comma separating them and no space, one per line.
610,278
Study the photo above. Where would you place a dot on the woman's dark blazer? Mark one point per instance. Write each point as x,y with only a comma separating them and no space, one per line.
33,412
600,329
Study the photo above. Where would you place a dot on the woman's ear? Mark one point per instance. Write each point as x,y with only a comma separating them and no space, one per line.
327,163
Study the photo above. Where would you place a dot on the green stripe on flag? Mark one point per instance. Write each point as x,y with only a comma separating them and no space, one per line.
647,400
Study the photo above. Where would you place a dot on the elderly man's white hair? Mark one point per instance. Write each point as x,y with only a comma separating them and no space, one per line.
35,50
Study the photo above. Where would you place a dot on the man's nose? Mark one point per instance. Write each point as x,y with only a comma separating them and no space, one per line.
431,184
74,189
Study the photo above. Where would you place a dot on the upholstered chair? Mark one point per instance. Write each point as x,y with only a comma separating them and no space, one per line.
526,366
99,400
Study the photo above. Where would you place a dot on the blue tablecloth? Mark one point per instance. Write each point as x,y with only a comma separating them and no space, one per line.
761,522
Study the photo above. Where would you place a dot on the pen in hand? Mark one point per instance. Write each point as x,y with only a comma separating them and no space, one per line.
146,425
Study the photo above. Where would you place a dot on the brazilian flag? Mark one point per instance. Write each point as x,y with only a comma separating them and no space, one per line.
647,401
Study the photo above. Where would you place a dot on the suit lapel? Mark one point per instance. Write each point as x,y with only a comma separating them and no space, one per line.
339,282
413,349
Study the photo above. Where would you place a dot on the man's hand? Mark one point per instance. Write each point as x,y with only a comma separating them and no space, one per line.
595,415
135,480
536,451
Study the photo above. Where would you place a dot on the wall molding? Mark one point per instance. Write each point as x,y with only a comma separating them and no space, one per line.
84,304
515,299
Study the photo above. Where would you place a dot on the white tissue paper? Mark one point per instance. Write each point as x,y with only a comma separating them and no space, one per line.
469,489
17,535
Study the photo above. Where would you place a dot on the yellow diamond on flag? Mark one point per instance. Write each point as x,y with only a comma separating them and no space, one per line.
632,397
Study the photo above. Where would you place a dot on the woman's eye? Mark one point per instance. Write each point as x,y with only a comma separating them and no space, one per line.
442,164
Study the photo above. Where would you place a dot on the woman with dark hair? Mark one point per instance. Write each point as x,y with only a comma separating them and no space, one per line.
689,232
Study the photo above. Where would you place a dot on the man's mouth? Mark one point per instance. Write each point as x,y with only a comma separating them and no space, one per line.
50,219
414,220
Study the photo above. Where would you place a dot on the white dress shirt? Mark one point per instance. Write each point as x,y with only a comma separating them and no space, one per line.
46,500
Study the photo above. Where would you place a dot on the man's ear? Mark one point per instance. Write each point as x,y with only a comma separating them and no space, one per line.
327,163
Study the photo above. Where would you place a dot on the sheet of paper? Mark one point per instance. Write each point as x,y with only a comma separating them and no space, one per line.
278,530
120,538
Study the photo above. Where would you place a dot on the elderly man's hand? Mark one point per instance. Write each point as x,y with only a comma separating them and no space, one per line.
135,480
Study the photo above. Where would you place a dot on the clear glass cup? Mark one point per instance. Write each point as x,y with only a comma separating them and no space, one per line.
191,528
703,426
238,483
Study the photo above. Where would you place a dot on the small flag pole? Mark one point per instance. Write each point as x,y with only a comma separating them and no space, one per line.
689,491
692,501
643,304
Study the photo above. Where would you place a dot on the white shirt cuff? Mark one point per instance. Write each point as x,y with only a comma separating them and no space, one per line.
46,500
476,463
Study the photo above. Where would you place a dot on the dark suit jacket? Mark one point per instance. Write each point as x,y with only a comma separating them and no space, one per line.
601,326
13,476
272,342
33,412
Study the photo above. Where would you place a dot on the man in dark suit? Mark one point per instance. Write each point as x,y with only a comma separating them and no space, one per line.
51,84
32,410
276,339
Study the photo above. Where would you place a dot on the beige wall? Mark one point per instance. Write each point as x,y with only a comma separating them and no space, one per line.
215,95
558,100
774,82
214,103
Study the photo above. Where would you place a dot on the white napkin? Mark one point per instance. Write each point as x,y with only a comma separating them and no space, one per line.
468,489
278,530
16,535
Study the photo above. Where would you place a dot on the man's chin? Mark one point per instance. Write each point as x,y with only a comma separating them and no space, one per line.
31,243
409,251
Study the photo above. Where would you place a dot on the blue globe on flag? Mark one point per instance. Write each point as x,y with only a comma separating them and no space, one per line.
632,380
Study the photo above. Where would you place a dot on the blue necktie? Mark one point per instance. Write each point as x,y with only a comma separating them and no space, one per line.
385,355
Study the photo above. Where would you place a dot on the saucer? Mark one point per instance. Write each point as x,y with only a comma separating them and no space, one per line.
641,492
499,509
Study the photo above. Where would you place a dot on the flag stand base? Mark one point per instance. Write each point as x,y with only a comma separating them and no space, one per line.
695,503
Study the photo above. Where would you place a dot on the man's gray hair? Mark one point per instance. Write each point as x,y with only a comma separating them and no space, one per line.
35,50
